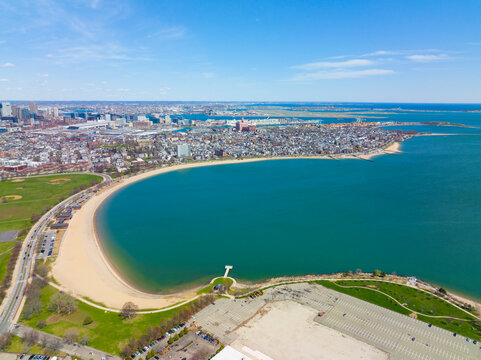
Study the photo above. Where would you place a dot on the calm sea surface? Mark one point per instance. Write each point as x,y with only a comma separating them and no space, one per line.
416,213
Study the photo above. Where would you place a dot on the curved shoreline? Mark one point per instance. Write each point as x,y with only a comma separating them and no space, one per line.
83,268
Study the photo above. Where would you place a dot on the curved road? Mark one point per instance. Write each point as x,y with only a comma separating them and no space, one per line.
26,259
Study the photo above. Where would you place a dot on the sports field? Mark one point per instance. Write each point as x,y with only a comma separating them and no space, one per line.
22,198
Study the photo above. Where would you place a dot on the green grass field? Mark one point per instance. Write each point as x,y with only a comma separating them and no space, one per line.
107,332
208,289
36,193
414,299
5,252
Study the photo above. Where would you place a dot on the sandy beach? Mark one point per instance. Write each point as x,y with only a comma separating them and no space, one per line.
82,268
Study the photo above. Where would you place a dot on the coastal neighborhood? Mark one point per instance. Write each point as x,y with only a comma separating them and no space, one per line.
240,180
226,319
52,140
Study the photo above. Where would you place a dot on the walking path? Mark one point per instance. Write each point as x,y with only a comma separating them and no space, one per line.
414,311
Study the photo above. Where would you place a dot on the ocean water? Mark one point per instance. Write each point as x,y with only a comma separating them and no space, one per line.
417,213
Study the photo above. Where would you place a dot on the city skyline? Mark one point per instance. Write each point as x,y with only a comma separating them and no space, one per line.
161,51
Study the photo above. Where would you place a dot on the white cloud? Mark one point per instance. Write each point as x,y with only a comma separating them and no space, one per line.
427,58
94,52
7,64
175,32
164,90
43,75
381,53
3,80
342,74
208,75
335,64
123,90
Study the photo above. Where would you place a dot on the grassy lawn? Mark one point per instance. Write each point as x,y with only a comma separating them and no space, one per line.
367,295
5,251
208,289
414,299
36,193
107,332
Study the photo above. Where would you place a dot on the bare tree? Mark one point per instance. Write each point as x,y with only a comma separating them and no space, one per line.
128,310
43,341
62,303
5,341
71,335
84,340
31,337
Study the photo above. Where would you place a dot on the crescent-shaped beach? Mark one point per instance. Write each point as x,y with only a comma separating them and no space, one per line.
83,270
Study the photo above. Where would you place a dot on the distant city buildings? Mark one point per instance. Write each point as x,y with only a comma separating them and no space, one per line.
5,109
119,138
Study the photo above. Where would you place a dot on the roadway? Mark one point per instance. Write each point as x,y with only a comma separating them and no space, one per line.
26,261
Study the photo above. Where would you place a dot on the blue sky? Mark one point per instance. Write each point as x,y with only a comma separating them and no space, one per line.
412,51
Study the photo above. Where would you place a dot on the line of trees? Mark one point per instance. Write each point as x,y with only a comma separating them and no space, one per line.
154,332
33,291
7,280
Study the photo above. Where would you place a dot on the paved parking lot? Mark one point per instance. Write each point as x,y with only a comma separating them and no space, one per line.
47,244
188,346
382,328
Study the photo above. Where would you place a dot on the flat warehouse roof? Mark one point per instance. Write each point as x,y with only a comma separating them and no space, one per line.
229,353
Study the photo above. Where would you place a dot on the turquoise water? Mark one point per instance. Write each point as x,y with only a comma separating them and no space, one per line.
416,213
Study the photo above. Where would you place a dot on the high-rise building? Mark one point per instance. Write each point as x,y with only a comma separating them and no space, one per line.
183,151
6,109
55,112
25,114
33,108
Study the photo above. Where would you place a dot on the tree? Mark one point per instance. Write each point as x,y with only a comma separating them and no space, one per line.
31,337
62,303
377,273
41,324
88,320
41,270
5,341
71,335
34,218
442,291
84,339
128,310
